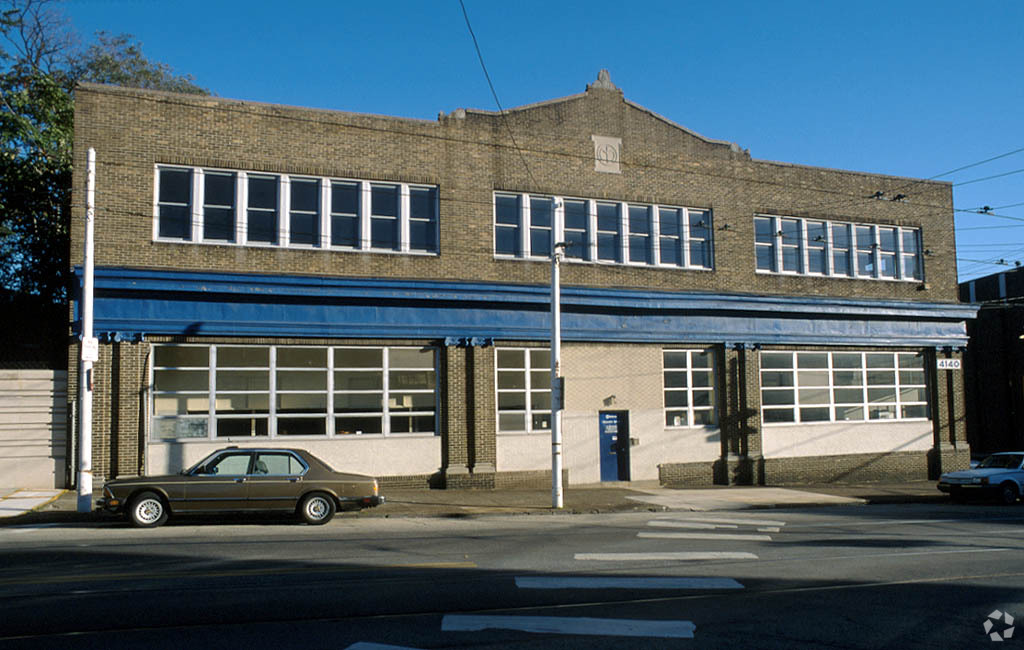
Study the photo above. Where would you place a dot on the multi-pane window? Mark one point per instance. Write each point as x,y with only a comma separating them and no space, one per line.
258,209
242,391
384,216
609,232
689,388
577,230
304,215
640,249
808,247
617,232
805,387
263,209
541,223
345,214
174,204
523,389
219,206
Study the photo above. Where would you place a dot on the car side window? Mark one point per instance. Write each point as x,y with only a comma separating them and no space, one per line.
277,464
228,465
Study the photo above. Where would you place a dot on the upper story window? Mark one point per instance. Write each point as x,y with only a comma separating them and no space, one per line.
258,209
528,225
811,247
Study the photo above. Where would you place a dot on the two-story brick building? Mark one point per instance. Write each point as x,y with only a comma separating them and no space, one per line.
376,289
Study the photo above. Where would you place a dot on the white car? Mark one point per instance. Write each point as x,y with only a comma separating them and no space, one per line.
1000,474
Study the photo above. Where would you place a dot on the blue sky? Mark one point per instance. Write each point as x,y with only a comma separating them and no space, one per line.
910,88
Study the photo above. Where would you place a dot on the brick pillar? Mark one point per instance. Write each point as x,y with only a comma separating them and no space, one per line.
482,415
455,421
742,462
950,451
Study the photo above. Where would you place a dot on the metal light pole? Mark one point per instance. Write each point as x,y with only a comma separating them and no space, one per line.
89,347
557,382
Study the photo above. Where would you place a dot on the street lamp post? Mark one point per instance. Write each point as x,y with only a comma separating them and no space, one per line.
557,382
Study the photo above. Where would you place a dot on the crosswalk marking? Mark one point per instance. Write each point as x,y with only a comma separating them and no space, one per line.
679,556
566,625
661,523
611,582
723,536
740,521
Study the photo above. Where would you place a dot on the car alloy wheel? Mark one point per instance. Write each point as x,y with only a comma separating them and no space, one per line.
147,510
317,508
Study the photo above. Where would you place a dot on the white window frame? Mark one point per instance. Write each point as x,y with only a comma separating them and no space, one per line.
853,253
522,231
323,242
209,419
899,405
670,417
529,412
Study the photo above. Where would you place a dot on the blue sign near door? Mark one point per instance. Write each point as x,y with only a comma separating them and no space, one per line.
614,441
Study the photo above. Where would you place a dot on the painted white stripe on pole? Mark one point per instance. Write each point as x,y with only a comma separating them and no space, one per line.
660,523
717,520
682,556
599,582
567,625
728,536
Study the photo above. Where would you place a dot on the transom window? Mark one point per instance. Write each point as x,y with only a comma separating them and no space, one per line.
812,247
528,225
689,388
523,389
802,387
258,209
242,391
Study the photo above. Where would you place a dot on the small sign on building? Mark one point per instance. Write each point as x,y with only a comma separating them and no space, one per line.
948,364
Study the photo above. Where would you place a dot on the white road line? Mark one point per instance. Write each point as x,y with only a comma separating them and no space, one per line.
682,556
769,529
601,582
661,523
718,520
724,536
566,625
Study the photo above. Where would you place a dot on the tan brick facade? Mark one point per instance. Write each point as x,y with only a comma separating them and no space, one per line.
468,156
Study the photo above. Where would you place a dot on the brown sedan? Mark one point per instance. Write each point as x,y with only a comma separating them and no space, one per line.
243,480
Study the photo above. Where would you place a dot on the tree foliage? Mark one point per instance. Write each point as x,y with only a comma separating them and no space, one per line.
40,63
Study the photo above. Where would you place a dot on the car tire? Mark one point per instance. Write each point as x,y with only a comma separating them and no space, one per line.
1008,493
956,494
317,508
147,510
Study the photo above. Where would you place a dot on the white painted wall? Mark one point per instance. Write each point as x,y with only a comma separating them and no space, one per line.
581,447
837,438
375,456
33,428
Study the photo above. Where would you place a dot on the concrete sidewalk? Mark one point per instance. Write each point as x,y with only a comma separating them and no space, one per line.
57,505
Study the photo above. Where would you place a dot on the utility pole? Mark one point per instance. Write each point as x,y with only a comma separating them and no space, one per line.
557,381
89,347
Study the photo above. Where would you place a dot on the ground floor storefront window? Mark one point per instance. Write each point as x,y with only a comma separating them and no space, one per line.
802,387
252,391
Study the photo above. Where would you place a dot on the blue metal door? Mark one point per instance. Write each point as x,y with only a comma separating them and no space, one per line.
614,441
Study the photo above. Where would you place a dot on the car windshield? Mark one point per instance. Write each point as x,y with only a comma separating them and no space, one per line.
1004,461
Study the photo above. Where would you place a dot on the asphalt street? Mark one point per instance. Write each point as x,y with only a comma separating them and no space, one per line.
907,576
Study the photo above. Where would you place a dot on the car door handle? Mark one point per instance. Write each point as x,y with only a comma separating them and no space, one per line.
293,480
240,480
